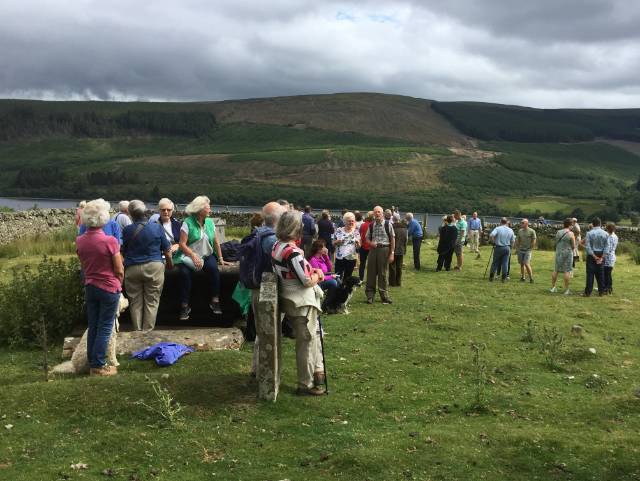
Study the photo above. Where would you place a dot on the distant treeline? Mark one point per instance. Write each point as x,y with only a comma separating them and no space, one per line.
519,124
23,121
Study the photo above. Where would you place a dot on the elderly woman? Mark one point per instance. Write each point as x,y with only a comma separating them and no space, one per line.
144,244
199,250
103,273
170,224
610,257
395,268
565,245
301,299
346,240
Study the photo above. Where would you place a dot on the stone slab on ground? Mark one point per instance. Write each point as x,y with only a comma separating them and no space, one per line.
201,339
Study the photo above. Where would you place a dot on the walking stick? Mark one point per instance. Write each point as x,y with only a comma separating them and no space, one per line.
489,263
324,362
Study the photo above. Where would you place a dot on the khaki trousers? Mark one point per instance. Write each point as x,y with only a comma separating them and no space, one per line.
378,270
143,283
474,239
308,350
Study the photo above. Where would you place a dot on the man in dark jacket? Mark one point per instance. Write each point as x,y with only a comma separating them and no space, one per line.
447,243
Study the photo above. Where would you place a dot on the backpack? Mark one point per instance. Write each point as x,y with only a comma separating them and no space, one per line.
229,250
386,229
253,261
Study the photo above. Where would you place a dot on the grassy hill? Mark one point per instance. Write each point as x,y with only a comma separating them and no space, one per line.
403,402
331,150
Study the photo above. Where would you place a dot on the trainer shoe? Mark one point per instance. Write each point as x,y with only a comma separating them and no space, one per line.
215,307
522,279
567,292
387,301
553,289
103,371
184,313
310,391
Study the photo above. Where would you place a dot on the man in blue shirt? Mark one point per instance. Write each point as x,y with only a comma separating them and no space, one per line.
595,243
475,226
503,239
308,230
111,228
414,232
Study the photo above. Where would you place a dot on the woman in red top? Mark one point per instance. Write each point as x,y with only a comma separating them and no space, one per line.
103,273
364,244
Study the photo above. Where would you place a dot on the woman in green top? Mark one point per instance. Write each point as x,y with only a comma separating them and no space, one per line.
565,244
198,250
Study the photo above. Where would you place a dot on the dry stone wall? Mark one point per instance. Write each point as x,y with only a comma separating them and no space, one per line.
18,225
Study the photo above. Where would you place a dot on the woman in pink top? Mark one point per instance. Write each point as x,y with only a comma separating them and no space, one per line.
320,260
103,273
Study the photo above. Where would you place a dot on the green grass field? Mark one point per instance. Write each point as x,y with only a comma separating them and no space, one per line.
401,406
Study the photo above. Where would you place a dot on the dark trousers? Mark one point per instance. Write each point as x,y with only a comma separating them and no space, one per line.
594,271
329,286
608,279
364,253
417,243
210,267
501,255
395,271
344,267
444,259
101,312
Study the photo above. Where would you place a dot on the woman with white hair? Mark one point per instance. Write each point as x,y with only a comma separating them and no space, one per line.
301,299
347,242
103,273
144,244
199,249
170,224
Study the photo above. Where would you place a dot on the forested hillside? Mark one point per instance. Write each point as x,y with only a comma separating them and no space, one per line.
330,150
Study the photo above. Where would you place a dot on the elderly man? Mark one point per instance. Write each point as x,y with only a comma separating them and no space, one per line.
267,236
595,243
475,227
525,243
122,217
461,225
415,233
382,244
503,239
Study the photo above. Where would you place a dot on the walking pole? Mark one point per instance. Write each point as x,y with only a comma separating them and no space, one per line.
489,263
324,362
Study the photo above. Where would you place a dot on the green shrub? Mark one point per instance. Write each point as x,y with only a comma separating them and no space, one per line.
626,247
635,255
52,290
546,243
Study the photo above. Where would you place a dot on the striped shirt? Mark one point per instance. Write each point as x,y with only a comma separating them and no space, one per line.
289,263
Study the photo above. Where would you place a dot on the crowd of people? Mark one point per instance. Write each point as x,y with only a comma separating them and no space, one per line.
311,257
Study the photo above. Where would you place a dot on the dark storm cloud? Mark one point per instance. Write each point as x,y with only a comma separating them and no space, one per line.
540,53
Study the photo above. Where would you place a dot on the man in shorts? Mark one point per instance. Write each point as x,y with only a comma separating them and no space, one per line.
525,243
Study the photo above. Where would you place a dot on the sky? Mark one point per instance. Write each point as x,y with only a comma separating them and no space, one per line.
538,53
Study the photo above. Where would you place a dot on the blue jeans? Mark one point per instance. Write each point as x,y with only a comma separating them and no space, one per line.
330,286
501,255
210,267
597,271
417,243
101,312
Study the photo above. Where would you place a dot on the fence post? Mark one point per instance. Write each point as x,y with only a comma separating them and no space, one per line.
269,332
